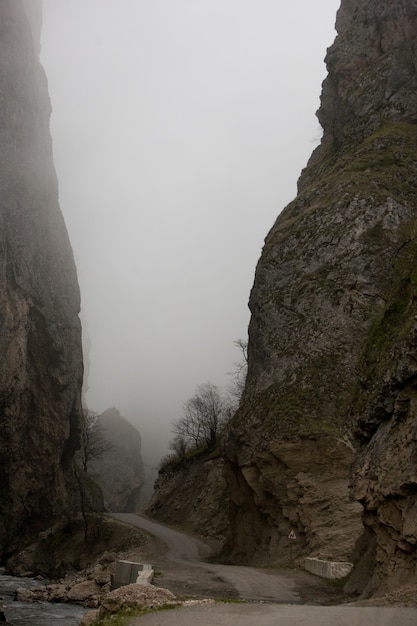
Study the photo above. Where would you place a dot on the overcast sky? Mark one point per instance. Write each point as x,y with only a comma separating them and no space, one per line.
180,128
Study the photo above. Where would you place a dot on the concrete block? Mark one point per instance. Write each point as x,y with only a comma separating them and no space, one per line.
126,573
328,569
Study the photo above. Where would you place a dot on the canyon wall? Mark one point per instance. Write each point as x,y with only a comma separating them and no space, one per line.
40,335
192,494
332,359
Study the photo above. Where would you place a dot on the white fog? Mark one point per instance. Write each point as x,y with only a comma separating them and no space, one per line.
180,128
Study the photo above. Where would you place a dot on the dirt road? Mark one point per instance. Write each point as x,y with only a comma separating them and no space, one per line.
186,552
278,615
274,600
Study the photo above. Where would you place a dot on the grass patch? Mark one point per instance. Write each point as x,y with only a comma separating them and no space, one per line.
119,618
230,601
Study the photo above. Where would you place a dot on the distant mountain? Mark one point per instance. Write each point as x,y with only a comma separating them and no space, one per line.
119,471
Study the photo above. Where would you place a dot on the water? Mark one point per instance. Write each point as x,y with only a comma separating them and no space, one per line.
35,613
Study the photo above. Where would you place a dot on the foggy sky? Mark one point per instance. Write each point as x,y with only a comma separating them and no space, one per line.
180,128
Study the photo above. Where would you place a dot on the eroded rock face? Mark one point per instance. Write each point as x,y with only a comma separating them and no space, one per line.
119,471
40,335
332,338
298,486
193,495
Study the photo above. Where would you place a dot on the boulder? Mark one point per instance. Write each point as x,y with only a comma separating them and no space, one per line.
138,597
83,591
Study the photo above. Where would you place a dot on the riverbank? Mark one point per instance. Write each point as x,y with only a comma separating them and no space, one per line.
21,613
180,574
69,547
67,572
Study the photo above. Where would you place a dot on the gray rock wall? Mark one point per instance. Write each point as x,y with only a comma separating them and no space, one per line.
332,337
40,335
192,494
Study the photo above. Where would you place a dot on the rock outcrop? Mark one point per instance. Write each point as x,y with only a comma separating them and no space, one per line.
192,494
119,471
332,368
41,358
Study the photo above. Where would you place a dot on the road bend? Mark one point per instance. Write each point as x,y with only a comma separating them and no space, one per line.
186,551
275,601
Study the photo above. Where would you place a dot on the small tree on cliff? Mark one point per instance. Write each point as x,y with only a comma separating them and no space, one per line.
93,446
205,414
93,442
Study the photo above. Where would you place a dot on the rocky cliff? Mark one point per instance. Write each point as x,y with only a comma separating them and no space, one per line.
333,334
192,494
40,336
119,471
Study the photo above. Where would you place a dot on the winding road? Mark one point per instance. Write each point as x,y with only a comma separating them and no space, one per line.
187,553
274,600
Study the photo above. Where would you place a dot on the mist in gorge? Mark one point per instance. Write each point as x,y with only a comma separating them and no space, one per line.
179,131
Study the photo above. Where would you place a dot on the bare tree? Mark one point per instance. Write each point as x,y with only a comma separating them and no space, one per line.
93,442
188,430
93,446
179,446
204,416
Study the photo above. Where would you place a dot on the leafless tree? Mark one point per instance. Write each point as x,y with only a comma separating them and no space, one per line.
204,416
93,446
93,442
179,446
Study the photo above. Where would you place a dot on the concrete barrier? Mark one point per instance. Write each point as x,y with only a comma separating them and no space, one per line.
145,576
328,569
128,572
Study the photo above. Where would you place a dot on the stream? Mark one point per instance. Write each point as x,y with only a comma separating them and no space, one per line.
35,613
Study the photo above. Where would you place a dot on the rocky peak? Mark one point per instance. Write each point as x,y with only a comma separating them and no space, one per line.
371,71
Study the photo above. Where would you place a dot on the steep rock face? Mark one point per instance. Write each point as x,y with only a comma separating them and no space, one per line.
40,335
119,471
332,337
193,495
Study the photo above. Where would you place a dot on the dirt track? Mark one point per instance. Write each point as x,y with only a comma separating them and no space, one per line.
274,599
279,615
184,554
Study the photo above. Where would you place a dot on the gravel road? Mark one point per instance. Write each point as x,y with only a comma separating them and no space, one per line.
273,600
186,552
278,615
